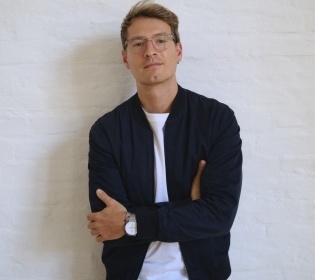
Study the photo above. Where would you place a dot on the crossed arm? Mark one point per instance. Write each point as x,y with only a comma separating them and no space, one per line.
176,221
109,223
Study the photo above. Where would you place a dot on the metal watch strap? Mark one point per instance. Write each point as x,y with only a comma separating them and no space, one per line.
131,217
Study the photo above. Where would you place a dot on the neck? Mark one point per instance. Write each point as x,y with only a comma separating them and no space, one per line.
157,98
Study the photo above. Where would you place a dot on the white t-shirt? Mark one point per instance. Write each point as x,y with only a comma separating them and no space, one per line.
163,260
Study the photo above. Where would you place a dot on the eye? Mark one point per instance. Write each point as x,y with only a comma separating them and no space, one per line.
160,40
137,43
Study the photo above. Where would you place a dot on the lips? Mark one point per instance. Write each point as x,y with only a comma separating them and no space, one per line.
152,64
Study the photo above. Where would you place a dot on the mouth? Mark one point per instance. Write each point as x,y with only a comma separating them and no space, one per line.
152,65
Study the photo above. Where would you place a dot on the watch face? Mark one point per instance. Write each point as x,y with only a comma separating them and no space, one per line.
131,228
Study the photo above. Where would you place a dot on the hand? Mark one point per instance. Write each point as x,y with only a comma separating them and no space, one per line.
195,187
108,224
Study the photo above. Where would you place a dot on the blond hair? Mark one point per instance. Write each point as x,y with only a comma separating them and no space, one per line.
149,9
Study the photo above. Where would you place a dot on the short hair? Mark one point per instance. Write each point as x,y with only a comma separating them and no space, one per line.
149,9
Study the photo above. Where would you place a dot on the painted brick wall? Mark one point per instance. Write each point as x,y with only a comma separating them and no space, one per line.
60,69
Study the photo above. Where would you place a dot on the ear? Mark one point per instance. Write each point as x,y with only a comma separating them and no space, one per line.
179,50
124,57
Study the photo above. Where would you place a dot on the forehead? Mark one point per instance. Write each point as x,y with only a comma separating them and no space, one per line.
147,27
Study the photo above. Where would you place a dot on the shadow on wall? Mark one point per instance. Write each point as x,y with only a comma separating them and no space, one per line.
90,81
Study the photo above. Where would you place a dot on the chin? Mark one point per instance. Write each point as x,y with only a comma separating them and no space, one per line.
153,80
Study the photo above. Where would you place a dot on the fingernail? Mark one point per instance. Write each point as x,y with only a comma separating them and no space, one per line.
99,191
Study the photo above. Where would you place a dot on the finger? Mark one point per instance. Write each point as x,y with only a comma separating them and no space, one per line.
99,238
201,167
94,232
91,225
104,197
91,217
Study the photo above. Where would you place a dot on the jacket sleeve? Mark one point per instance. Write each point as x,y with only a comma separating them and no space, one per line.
103,171
221,181
104,174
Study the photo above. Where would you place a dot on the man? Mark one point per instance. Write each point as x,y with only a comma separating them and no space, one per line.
164,166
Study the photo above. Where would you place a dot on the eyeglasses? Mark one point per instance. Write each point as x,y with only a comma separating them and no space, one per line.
160,43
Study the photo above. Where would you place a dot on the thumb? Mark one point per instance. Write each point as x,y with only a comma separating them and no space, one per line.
104,197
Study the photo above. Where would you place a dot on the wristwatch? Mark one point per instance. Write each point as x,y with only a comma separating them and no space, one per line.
131,225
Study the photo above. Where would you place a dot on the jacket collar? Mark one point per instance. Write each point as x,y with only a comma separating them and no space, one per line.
178,107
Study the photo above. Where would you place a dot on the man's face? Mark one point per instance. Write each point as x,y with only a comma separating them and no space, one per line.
150,66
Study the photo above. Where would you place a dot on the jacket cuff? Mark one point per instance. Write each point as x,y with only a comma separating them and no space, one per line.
147,224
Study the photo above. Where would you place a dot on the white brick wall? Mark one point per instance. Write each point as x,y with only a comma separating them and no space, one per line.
60,69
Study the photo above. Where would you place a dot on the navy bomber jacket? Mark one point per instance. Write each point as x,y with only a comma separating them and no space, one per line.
121,162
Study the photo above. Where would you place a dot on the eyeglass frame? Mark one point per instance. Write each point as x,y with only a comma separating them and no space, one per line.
151,39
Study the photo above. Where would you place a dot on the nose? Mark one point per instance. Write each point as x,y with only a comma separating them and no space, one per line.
149,48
